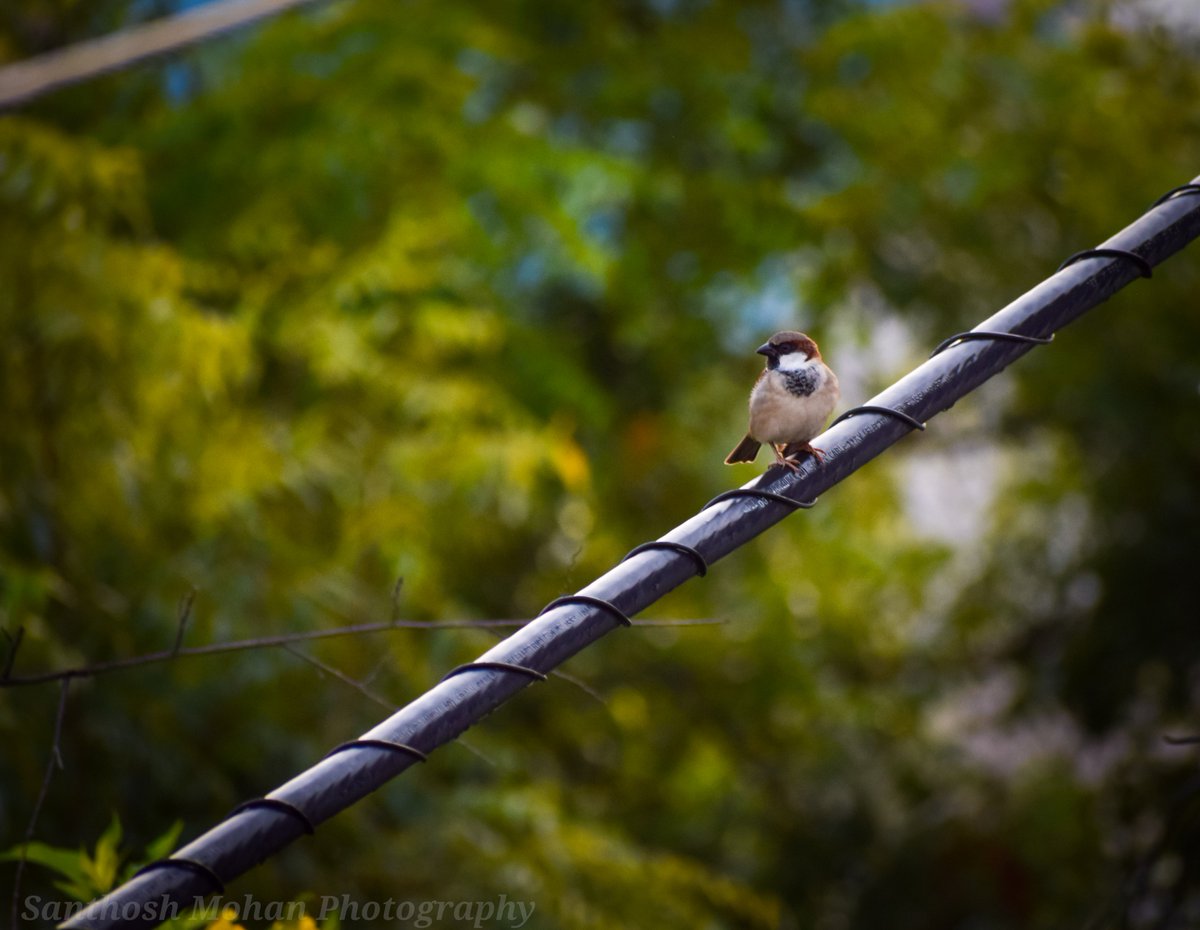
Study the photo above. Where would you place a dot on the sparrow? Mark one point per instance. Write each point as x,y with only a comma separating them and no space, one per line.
790,401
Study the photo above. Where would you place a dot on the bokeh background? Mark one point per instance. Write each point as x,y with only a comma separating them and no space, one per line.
467,294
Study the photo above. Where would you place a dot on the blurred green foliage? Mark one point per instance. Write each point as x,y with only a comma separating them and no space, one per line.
466,295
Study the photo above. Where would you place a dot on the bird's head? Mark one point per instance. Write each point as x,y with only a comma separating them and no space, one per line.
788,349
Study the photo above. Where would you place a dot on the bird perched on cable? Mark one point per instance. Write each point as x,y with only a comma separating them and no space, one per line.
790,402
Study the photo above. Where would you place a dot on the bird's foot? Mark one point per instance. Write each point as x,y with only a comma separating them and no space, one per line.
787,461
797,450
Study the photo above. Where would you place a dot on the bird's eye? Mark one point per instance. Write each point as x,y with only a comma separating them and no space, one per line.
787,348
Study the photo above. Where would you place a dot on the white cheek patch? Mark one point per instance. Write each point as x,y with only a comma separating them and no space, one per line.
795,361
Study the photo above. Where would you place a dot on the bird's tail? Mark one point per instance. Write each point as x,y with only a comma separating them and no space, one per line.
745,451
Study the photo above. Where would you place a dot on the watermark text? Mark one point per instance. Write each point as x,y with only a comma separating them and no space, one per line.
417,914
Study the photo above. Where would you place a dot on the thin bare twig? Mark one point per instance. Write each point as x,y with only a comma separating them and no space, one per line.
571,679
369,694
262,642
185,614
14,643
342,677
396,597
54,762
580,684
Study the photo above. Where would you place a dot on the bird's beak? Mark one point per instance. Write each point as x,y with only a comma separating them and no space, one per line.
767,349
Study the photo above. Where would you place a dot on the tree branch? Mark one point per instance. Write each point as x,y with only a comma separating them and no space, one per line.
283,639
54,762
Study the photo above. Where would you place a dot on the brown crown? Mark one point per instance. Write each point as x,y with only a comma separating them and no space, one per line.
798,342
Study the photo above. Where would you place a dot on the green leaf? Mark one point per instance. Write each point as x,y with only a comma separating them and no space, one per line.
66,862
159,847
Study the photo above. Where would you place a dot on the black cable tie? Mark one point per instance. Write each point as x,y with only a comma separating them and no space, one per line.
495,667
1144,267
978,334
1174,192
886,411
666,544
613,609
277,804
379,744
765,495
187,865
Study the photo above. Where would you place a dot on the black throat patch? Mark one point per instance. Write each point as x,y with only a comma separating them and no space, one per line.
801,383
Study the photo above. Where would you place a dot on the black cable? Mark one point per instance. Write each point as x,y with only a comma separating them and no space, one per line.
559,632
385,744
694,554
975,335
1176,192
607,607
882,411
496,667
276,804
1145,269
790,502
184,866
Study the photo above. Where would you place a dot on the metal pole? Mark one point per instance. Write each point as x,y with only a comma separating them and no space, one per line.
252,834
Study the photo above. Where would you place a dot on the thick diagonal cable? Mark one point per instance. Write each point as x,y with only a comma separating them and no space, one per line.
435,718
